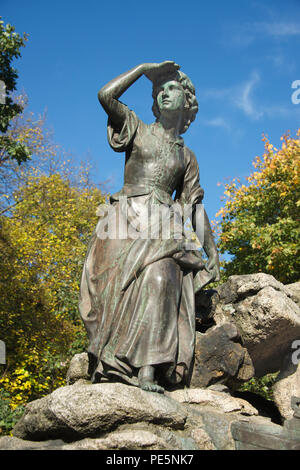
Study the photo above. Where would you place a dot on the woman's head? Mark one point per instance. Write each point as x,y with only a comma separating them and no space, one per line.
190,108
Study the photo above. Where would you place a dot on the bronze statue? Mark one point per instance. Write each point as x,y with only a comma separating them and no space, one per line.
137,297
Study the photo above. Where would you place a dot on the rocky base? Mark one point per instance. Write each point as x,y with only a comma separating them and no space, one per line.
266,315
117,416
246,327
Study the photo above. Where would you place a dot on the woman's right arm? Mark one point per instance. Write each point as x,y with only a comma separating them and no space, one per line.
109,94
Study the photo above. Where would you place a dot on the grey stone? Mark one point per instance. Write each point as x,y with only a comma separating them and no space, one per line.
251,435
117,416
218,400
219,357
267,318
217,426
133,438
293,291
269,321
202,439
14,443
78,368
219,388
286,386
205,305
242,286
89,410
121,440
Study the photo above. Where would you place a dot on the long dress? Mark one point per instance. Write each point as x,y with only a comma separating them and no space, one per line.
136,301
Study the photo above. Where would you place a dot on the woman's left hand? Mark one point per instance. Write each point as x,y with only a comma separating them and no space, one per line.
153,71
213,266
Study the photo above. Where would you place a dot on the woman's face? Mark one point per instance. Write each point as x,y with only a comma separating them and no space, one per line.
170,97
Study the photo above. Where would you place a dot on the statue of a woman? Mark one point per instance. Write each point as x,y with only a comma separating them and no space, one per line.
137,297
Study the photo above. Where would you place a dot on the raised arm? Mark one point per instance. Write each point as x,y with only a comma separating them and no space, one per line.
109,94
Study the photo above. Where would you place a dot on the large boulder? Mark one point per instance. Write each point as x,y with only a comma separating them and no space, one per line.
220,358
265,314
286,386
85,410
118,416
293,291
198,397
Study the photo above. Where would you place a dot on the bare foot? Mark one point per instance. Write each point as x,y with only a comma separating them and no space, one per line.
146,380
151,387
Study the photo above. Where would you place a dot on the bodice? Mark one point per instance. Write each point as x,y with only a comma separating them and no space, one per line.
154,160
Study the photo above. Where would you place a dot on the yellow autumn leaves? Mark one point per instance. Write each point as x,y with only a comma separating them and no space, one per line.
259,224
43,244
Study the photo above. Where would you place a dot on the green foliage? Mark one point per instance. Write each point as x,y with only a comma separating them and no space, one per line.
10,45
43,245
8,416
47,213
261,386
260,224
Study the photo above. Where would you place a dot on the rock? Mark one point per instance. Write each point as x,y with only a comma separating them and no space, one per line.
14,443
293,291
269,322
240,287
219,388
205,303
286,386
131,439
217,400
134,438
267,318
202,439
219,357
260,435
265,408
257,320
122,440
73,412
78,368
115,416
218,427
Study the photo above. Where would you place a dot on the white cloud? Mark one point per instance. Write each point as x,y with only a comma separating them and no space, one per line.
218,122
243,97
278,28
239,96
245,34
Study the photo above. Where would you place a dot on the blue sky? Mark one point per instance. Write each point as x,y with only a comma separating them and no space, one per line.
242,57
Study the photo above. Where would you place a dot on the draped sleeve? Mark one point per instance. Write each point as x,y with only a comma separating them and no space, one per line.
189,190
120,137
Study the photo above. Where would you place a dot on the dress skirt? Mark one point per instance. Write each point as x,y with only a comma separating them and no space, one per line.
136,301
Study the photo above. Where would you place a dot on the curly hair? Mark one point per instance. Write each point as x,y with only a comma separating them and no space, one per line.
191,106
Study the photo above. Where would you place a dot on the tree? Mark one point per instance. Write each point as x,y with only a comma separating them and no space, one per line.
260,224
10,45
30,131
43,245
47,212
